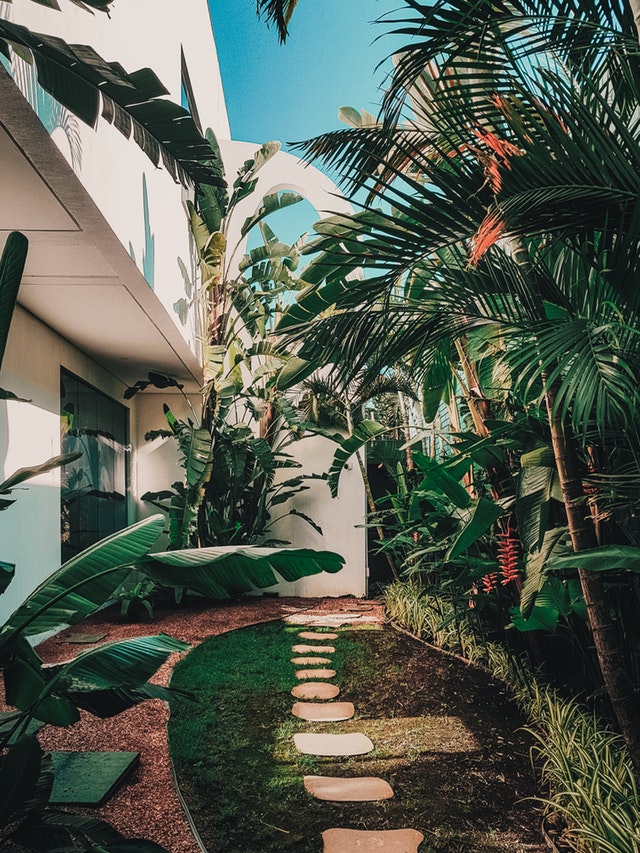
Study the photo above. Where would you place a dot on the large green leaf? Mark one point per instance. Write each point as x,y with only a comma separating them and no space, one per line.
556,543
476,521
7,573
19,773
293,371
439,478
23,474
361,435
609,558
81,80
533,494
222,572
197,453
12,261
121,663
84,582
270,204
60,830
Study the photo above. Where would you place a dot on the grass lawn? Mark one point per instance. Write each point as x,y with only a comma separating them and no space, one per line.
446,739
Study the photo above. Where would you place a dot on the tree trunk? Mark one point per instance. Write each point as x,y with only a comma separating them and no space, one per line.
605,637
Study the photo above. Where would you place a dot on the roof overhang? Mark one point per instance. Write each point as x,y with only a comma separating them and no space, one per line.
79,279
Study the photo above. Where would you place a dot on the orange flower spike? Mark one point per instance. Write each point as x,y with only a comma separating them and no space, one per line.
486,236
489,582
502,148
508,554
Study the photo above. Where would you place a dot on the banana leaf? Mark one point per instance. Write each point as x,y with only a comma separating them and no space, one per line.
479,519
223,572
362,433
83,583
81,80
554,545
19,774
23,474
270,204
64,831
606,559
12,261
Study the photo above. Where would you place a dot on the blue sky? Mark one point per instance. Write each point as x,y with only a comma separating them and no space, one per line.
292,92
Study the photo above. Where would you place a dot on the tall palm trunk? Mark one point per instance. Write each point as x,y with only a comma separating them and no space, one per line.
605,637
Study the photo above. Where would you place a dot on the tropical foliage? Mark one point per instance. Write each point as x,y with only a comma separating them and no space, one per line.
90,87
235,454
104,680
500,235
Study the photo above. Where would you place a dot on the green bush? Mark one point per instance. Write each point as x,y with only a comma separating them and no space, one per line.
583,764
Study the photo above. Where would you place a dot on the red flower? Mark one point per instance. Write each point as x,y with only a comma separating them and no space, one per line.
508,553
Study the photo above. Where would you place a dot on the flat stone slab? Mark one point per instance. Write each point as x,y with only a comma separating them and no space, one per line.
382,841
305,650
334,620
315,690
318,635
89,778
84,639
304,674
310,661
352,790
324,712
312,743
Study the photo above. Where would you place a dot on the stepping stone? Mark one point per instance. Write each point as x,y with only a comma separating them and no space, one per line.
89,778
352,790
304,674
382,841
317,635
323,713
332,745
84,639
315,690
305,650
310,661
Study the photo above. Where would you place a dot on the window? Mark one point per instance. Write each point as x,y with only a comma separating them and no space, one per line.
93,498
187,99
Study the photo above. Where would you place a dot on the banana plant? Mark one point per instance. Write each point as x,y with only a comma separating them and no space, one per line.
109,678
104,680
12,262
232,449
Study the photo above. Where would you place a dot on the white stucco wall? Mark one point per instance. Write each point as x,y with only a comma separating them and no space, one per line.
342,518
29,435
115,172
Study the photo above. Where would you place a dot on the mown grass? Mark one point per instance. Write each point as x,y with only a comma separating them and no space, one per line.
242,776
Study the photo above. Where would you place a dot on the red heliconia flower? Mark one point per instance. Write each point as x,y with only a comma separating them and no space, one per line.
489,582
508,554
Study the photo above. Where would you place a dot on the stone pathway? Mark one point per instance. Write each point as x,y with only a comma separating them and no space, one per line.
339,789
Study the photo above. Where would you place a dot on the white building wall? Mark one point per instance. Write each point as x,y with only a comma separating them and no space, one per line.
116,173
142,204
29,435
342,519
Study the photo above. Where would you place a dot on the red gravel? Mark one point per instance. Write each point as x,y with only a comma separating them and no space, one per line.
147,806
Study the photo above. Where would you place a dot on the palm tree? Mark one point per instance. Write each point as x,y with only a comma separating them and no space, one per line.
511,199
277,12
